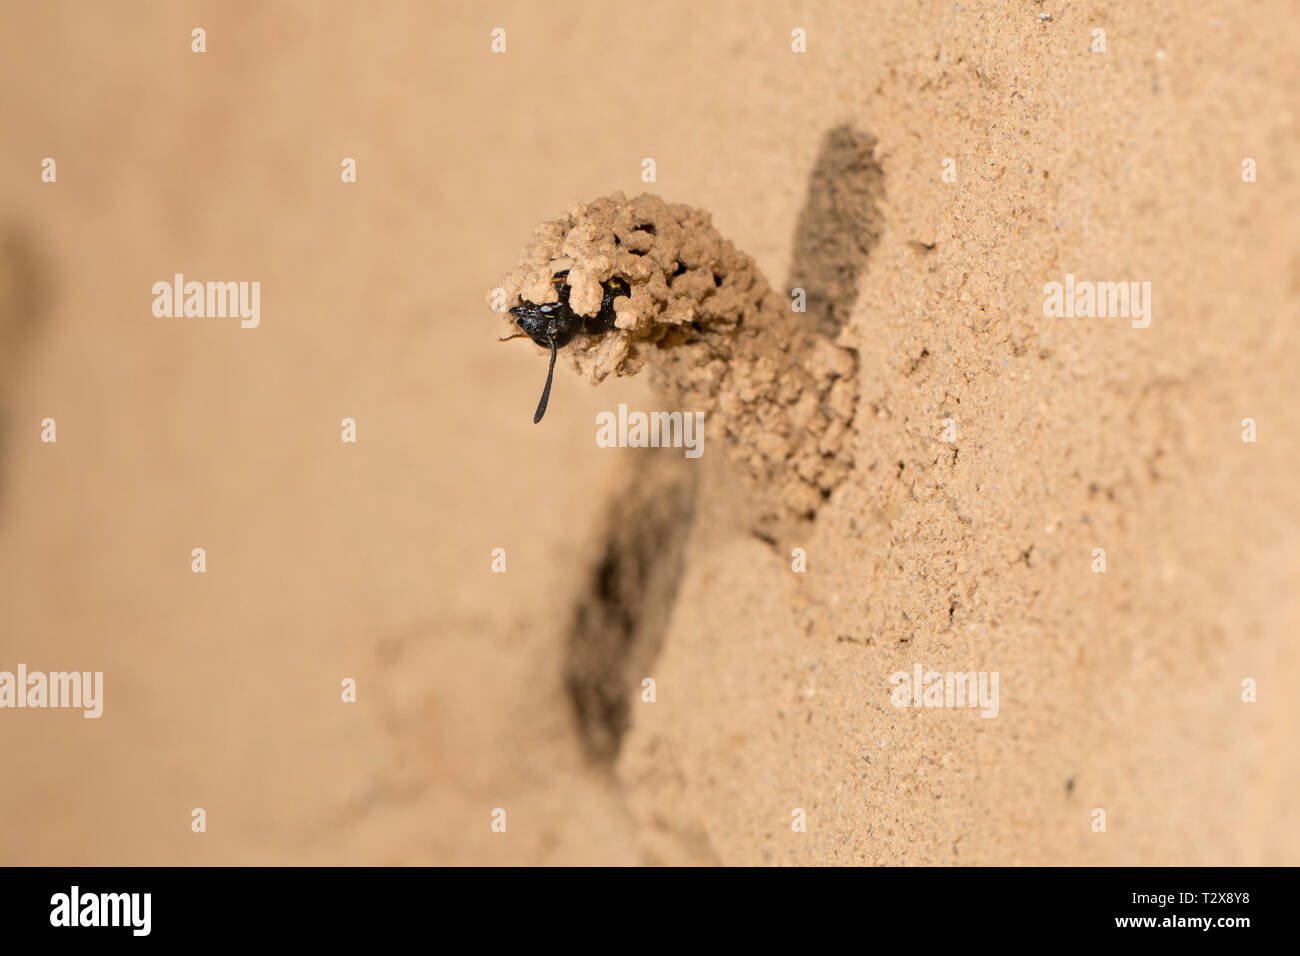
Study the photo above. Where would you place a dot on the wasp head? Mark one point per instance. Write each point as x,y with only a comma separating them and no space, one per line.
553,325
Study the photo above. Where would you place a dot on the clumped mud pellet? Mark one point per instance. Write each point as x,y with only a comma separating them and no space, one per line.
715,336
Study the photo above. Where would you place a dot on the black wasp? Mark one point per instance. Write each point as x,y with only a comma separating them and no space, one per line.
553,325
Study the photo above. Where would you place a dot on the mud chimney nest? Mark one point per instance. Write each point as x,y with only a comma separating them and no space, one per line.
716,336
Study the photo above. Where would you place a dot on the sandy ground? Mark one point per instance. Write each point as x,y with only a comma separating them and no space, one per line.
1120,691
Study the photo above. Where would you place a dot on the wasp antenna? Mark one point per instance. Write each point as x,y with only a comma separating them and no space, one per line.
546,392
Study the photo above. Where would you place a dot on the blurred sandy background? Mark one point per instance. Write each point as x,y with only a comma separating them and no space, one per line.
372,561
